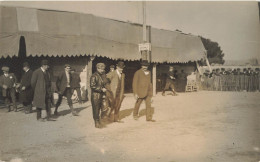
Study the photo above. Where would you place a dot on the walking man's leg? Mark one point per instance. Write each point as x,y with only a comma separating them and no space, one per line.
136,108
68,93
13,97
58,104
79,95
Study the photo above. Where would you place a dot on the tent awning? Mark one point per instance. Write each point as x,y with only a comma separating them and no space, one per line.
57,33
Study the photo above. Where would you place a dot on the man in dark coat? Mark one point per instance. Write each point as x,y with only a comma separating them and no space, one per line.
26,91
117,85
41,84
75,84
63,84
8,83
143,90
170,82
98,90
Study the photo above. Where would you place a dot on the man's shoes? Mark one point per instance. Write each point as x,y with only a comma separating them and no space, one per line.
150,120
135,117
50,119
97,124
41,120
56,113
74,113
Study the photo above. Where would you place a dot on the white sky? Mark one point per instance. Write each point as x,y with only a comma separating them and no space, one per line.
234,25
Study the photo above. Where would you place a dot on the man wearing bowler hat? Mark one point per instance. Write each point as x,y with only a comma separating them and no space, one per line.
143,90
63,84
26,91
98,90
117,84
41,84
8,83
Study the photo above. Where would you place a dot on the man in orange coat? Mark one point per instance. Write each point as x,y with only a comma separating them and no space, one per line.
142,89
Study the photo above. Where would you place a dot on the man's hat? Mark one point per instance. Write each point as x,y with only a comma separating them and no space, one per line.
67,65
121,64
5,68
256,69
238,69
112,66
44,62
101,66
26,64
145,63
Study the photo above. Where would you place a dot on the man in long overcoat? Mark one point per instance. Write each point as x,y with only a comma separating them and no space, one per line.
143,90
8,83
26,91
117,84
98,90
41,84
63,84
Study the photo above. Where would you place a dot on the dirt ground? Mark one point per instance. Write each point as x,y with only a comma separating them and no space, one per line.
197,127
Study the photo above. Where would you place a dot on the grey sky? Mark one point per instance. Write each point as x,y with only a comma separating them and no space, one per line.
234,25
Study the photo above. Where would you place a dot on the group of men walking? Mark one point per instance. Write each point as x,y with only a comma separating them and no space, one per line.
108,92
232,80
35,89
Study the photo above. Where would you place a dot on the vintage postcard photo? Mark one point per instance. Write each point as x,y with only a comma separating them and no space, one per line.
129,81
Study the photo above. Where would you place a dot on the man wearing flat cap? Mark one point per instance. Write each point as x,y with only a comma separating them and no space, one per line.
117,84
112,68
26,91
8,83
63,84
98,90
143,90
41,84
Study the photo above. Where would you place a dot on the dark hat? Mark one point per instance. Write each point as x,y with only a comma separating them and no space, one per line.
238,69
145,63
5,68
256,69
26,64
67,65
112,66
44,62
101,65
121,64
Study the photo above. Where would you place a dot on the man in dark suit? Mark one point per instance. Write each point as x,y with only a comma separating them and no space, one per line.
75,84
170,82
117,80
63,84
26,91
143,90
98,90
8,83
41,84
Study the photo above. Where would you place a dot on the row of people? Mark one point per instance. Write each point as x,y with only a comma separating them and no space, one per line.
231,80
35,87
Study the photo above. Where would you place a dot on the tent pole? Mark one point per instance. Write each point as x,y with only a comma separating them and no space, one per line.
89,73
154,79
